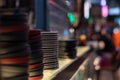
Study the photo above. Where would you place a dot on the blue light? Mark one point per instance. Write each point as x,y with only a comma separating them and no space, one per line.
103,2
117,20
66,32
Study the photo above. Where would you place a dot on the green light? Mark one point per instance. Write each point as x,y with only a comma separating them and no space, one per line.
71,17
90,20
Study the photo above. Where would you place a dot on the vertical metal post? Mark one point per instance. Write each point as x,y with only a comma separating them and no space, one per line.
41,14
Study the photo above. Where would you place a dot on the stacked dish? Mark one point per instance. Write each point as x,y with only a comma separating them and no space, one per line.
36,58
50,49
62,49
67,48
14,49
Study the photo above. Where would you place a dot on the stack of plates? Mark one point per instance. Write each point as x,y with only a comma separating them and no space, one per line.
14,49
62,49
67,48
36,58
50,49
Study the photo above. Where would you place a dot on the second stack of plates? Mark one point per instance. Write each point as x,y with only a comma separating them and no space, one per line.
36,58
50,49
